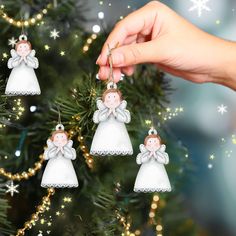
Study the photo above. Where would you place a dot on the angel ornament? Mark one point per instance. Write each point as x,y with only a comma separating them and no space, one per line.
59,172
152,176
22,80
111,136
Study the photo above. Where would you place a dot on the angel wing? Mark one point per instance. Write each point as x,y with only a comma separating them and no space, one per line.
32,53
31,60
100,105
14,61
162,148
142,157
100,115
142,148
50,144
50,151
69,144
14,53
123,105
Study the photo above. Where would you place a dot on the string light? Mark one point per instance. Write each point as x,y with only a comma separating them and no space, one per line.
46,201
101,15
96,28
78,131
126,223
88,157
24,175
26,23
17,153
89,41
33,109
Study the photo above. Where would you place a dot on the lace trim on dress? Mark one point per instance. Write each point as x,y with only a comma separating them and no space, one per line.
59,185
111,153
22,93
151,190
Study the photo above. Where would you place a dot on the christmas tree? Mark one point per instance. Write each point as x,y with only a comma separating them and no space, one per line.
104,203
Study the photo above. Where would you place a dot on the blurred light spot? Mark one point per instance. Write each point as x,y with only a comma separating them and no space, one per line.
96,28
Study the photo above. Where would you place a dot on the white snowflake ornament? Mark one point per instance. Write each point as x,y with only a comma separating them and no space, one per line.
199,6
11,188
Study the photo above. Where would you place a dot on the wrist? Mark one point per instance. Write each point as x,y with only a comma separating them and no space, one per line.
225,72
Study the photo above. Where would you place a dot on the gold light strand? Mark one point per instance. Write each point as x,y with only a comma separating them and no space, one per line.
152,221
77,131
88,43
24,175
125,223
88,157
24,23
46,201
152,215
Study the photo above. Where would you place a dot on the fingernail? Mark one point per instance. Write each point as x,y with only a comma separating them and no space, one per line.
98,59
118,58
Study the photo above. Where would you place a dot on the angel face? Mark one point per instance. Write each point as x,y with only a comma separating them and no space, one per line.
23,49
60,139
153,144
112,100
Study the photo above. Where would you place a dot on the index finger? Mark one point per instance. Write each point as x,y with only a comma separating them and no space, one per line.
134,23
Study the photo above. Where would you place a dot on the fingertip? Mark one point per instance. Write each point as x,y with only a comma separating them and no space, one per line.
103,73
102,59
129,70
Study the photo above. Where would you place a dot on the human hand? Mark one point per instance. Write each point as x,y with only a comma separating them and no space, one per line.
156,34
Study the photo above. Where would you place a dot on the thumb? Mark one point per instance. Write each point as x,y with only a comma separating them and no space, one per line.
136,53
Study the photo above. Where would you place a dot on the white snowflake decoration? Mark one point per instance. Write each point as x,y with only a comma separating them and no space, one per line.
199,6
11,188
12,42
222,109
54,34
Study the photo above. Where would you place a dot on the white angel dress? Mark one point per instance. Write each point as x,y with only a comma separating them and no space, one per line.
59,172
22,80
152,176
111,136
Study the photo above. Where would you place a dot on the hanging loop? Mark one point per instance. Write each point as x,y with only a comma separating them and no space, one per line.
60,127
111,85
152,131
23,37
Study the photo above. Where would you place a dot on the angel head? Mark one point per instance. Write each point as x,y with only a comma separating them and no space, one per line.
59,138
152,142
23,48
112,98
